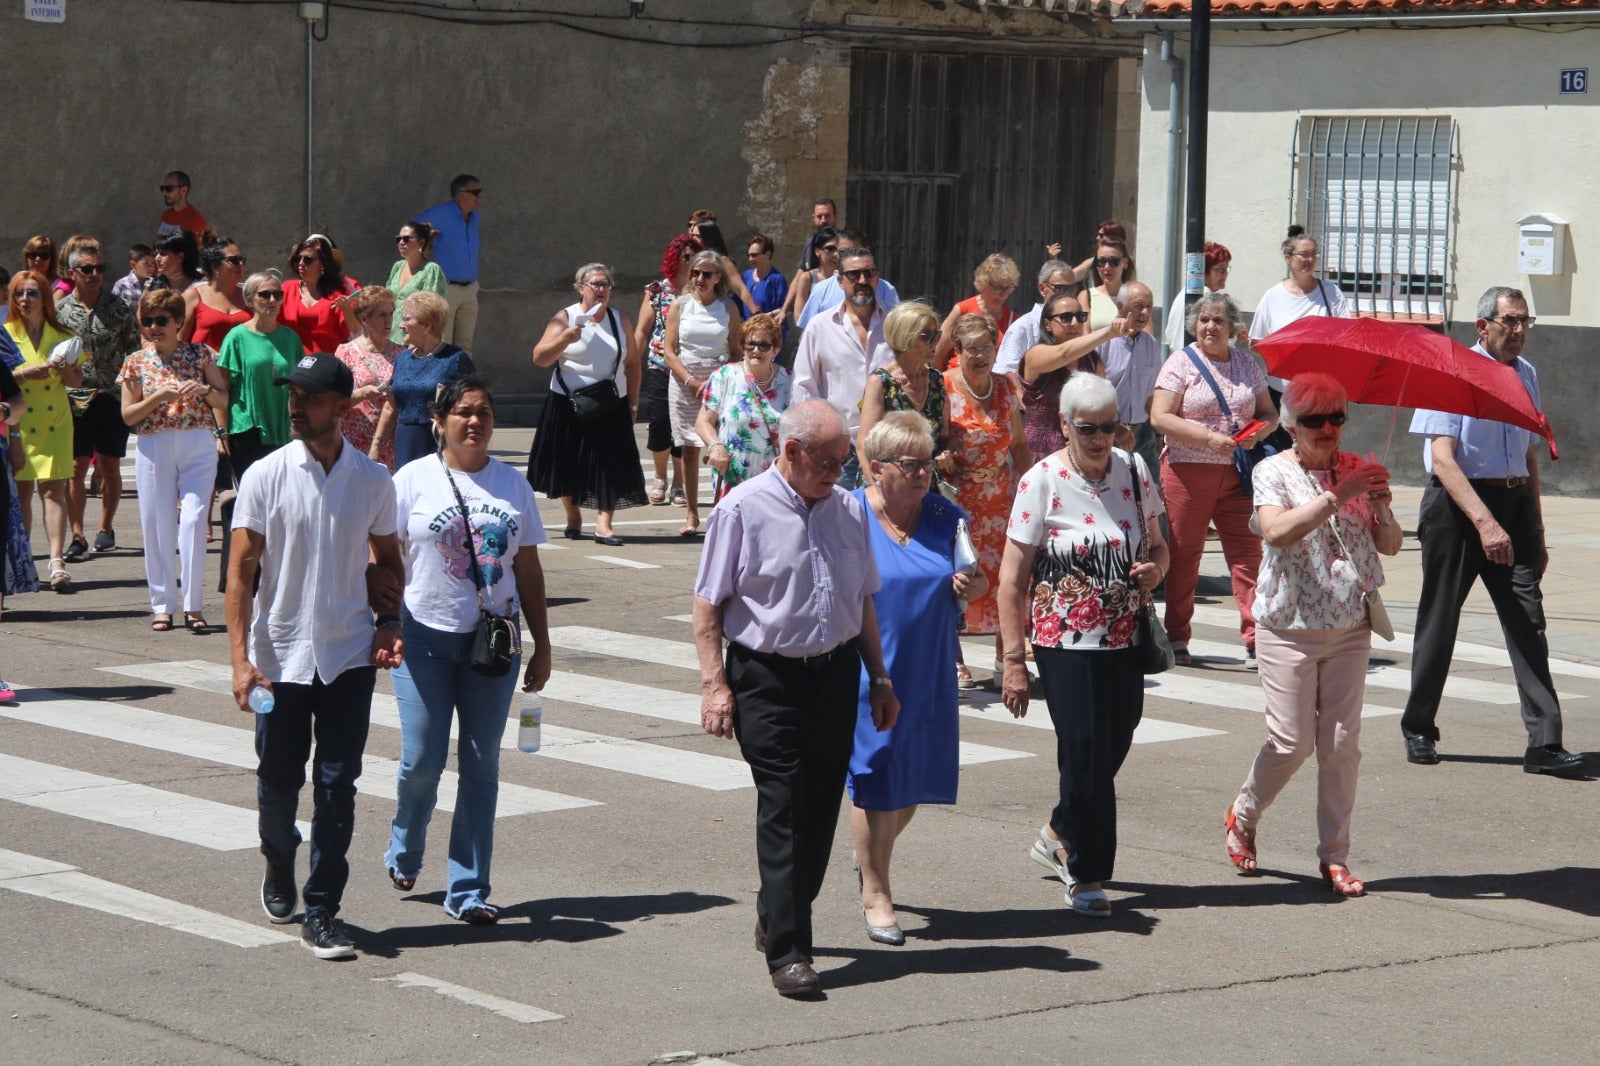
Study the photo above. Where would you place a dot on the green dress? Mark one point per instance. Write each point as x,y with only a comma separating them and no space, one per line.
429,279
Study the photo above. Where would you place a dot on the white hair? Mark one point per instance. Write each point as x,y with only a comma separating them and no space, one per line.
811,423
1086,392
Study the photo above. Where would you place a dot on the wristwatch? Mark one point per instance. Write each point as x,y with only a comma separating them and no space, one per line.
884,681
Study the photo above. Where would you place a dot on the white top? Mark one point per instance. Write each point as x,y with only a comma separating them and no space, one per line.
587,359
1173,334
832,365
1279,307
440,592
702,334
1132,364
311,615
1022,335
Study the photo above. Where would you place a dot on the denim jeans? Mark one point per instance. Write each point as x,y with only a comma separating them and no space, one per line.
435,685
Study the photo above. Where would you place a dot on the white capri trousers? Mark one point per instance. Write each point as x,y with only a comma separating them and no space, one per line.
174,471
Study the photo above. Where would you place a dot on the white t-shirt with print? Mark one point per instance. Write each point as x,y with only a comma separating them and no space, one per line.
440,591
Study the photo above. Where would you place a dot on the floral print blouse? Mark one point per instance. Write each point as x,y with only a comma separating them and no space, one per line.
1305,586
188,363
747,418
1086,540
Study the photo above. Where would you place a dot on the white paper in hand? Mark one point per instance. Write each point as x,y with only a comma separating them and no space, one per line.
67,353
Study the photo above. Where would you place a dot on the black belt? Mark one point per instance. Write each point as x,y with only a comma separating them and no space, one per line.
474,281
1509,482
809,662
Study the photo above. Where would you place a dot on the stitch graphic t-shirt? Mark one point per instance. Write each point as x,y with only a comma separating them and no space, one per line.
440,591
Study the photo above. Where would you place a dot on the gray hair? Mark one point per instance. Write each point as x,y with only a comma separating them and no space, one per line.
253,283
1054,266
589,268
1489,302
77,254
810,423
846,254
713,258
895,434
1127,292
1086,392
1214,299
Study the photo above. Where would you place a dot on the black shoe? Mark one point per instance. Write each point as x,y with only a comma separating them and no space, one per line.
278,894
323,935
611,540
77,551
797,980
105,541
1421,751
1555,761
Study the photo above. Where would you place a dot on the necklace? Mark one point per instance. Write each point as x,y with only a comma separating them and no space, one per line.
971,391
1096,484
891,527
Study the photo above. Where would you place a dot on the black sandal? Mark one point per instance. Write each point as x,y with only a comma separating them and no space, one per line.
161,623
196,624
404,884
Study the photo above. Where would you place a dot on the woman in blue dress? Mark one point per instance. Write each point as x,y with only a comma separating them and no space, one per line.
922,596
419,369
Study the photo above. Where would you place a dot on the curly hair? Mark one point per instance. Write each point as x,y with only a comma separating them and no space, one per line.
679,251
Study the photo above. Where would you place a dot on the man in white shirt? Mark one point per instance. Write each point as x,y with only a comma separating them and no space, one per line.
305,519
840,348
1055,279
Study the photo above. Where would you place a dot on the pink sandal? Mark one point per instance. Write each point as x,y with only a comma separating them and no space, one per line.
1342,881
1243,854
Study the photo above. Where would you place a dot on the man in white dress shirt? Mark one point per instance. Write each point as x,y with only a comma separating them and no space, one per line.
1055,279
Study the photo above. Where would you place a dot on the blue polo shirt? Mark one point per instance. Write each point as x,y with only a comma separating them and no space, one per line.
456,249
1484,448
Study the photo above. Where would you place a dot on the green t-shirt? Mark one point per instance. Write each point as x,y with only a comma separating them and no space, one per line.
252,360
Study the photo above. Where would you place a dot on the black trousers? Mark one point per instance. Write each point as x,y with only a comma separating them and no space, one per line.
1096,699
1452,560
796,727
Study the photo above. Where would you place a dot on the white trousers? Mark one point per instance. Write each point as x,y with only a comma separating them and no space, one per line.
174,471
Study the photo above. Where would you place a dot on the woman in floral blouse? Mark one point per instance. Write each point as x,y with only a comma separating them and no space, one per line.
1325,516
370,358
1083,551
741,404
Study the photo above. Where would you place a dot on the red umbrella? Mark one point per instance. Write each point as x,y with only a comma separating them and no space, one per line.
1399,365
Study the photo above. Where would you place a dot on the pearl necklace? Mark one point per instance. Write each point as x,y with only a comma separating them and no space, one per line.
973,392
1095,484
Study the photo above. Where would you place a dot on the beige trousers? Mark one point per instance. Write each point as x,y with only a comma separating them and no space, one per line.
463,301
1314,680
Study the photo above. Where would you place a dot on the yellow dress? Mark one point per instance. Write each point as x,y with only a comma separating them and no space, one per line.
46,427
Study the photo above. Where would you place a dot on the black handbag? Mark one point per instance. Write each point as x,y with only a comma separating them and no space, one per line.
601,398
1155,650
1244,459
499,639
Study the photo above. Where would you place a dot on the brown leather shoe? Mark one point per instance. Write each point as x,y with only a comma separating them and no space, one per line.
797,979
761,936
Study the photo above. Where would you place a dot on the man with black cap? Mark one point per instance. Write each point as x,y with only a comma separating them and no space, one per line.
305,519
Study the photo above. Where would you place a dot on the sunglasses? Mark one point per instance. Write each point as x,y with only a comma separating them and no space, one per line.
302,260
234,260
27,294
863,274
832,466
402,238
270,294
91,268
31,256
913,467
834,248
1089,429
759,346
474,192
929,336
704,273
1318,421
1069,316
155,321
1109,261
169,188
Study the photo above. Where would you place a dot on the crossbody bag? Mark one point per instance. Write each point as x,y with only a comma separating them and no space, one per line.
499,639
601,398
1244,459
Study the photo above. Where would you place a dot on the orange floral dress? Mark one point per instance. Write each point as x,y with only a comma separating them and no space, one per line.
981,442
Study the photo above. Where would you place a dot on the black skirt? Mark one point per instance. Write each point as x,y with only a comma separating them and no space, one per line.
596,463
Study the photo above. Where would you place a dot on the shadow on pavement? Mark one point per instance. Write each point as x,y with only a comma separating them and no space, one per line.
1570,888
64,612
1020,924
873,965
1272,889
1491,760
112,693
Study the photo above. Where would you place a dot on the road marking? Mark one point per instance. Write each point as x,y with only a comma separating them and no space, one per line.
236,747
617,560
111,801
506,1008
33,876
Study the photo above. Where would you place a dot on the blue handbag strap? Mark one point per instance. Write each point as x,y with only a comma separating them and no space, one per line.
1205,372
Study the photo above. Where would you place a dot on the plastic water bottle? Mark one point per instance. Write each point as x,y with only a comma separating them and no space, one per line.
532,717
261,700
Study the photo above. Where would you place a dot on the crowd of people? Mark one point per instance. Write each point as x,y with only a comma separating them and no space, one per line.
889,476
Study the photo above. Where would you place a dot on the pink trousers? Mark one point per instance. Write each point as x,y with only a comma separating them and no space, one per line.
1314,680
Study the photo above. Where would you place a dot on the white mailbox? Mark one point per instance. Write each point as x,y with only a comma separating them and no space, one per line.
1541,239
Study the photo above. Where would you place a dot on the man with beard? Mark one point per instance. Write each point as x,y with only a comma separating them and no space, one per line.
1480,517
840,348
305,518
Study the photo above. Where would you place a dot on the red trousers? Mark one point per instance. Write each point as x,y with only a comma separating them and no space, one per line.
1198,495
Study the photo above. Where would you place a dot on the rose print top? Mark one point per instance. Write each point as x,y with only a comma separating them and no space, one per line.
1240,378
1304,586
747,418
188,363
661,294
1086,541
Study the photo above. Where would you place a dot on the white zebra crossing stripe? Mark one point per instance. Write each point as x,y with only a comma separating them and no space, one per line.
232,746
33,876
506,1008
986,706
617,560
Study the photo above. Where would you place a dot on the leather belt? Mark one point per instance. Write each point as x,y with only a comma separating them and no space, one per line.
979,474
809,662
462,284
1509,482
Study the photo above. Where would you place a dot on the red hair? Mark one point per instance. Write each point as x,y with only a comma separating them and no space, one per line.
678,250
1217,253
1111,228
47,299
1313,392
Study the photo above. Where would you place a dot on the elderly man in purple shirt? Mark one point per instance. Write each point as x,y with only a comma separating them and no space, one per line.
787,578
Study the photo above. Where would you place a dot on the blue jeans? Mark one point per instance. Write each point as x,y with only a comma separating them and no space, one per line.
850,477
435,685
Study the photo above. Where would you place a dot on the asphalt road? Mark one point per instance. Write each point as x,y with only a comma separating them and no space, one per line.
625,863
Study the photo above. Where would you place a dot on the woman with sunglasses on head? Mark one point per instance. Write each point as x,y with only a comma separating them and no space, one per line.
1198,475
1083,553
314,300
415,270
39,256
826,243
700,337
741,404
177,263
650,337
995,280
910,382
1113,268
1325,517
370,357
45,432
173,396
1066,346
589,457
217,304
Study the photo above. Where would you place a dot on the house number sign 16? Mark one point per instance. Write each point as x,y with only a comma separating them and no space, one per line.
1574,80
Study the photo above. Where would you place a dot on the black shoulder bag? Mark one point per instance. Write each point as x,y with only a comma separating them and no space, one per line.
499,639
601,398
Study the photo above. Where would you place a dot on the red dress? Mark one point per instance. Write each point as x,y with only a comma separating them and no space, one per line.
981,441
970,307
321,326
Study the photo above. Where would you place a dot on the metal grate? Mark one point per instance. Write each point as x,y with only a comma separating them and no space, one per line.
1377,193
954,156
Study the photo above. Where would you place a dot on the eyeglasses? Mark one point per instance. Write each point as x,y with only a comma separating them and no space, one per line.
402,238
91,268
155,321
755,252
234,260
832,466
1061,290
929,336
704,273
1068,316
28,294
169,188
270,294
1109,261
1003,290
1514,322
1318,421
863,274
1089,429
759,346
913,467
302,260
598,284
1308,256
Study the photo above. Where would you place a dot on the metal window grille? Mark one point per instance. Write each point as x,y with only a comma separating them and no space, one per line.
1377,194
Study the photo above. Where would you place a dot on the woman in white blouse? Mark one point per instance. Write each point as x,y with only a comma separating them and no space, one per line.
1325,516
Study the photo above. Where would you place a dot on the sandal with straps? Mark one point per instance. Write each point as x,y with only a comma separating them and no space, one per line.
1243,854
657,493
1089,901
1044,851
60,580
1344,883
